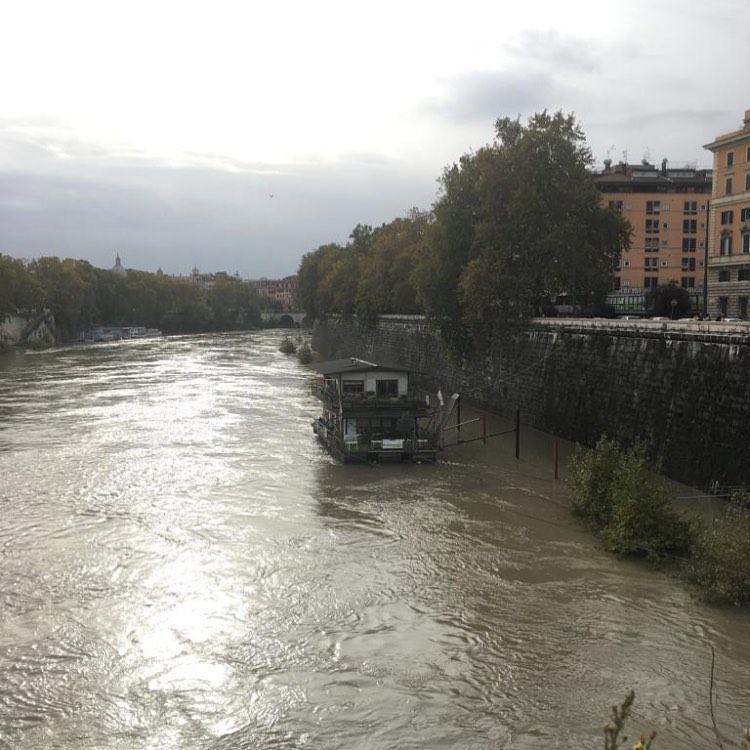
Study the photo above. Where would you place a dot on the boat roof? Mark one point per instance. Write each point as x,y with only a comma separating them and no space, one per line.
352,364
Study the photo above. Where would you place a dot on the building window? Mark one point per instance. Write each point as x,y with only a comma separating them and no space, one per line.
650,282
743,274
626,263
386,387
723,306
688,264
687,282
724,274
650,263
689,226
653,207
746,243
727,217
351,387
690,207
742,307
745,214
730,158
725,246
651,244
615,205
688,244
652,226
747,181
728,186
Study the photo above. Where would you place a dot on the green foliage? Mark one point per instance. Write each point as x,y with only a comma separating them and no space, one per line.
287,346
614,491
370,276
518,222
81,296
305,354
591,477
663,296
385,281
720,564
642,520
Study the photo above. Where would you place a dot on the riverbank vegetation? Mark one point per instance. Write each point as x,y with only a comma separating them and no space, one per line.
632,511
516,224
81,296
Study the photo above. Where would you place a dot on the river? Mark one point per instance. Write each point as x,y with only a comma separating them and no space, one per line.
182,566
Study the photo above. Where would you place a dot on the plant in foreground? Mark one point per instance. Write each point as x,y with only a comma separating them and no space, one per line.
614,727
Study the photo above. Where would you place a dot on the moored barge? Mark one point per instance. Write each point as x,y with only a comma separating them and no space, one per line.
373,412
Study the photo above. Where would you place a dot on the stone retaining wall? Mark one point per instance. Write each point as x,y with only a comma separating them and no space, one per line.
680,388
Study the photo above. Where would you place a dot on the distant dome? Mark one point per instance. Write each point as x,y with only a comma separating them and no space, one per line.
118,268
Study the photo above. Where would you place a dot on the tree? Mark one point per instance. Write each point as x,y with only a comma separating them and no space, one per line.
670,300
313,279
448,247
386,272
518,223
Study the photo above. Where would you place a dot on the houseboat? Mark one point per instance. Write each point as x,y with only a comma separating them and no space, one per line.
372,412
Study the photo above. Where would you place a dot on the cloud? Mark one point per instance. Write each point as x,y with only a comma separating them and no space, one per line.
204,209
551,48
483,97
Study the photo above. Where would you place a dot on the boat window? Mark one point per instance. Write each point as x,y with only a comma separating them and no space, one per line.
386,387
353,386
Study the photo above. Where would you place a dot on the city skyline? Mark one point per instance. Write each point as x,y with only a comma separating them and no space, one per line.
238,139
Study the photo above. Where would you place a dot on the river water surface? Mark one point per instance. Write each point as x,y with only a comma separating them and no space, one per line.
182,566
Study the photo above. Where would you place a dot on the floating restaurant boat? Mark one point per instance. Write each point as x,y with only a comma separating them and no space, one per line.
372,412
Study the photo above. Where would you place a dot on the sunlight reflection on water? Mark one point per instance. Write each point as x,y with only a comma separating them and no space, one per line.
183,566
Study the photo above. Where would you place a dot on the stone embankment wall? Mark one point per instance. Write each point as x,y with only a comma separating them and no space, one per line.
27,329
682,388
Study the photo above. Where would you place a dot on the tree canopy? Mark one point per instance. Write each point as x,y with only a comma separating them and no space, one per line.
81,296
517,224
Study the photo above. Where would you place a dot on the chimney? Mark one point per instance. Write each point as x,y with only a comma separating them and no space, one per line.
747,119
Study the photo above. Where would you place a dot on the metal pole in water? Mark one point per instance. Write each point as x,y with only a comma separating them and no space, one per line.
484,429
554,457
458,416
518,433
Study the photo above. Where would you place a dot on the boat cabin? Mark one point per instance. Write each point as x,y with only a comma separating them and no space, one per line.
372,411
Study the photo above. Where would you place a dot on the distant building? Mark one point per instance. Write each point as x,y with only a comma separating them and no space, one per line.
206,280
282,292
667,207
729,225
118,268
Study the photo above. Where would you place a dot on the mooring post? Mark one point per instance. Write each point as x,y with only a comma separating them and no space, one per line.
518,434
458,416
484,429
554,457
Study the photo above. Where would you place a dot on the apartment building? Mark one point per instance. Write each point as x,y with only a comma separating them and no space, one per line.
279,291
667,207
729,225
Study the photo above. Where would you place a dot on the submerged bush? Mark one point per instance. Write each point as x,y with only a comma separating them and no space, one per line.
631,508
720,564
642,520
287,346
591,477
305,354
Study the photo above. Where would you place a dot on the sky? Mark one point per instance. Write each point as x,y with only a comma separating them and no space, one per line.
237,136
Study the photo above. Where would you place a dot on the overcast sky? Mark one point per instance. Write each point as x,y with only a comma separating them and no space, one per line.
235,135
